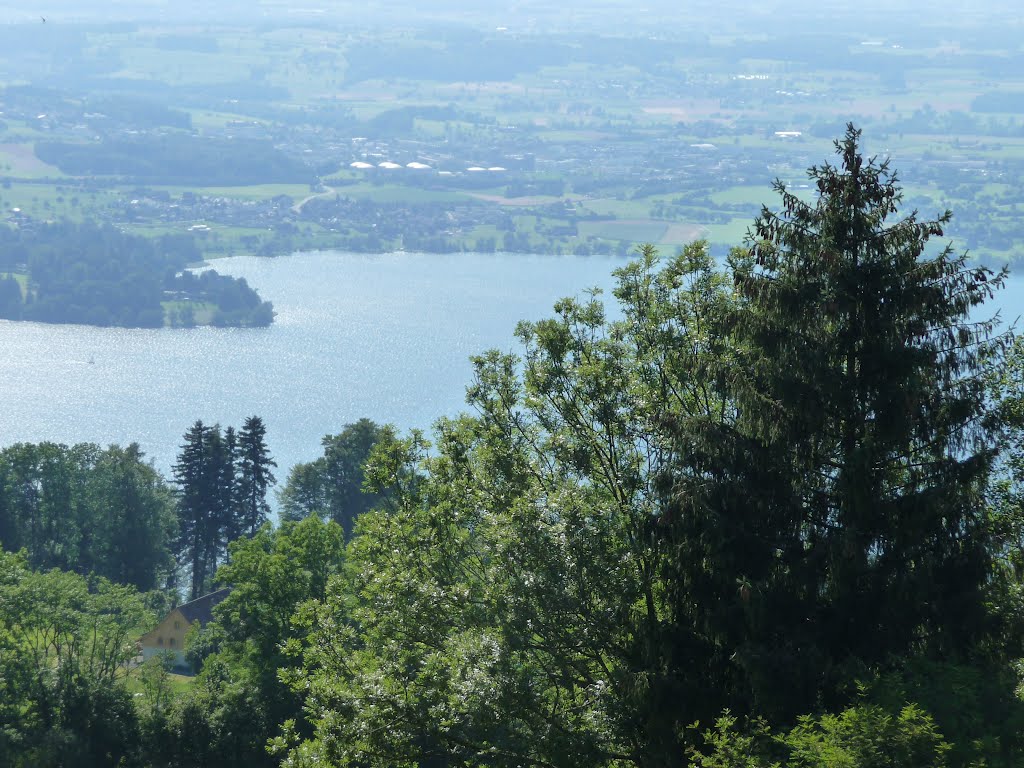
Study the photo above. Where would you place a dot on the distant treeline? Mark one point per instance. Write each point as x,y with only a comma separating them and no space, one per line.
179,159
101,111
236,302
471,57
98,275
999,101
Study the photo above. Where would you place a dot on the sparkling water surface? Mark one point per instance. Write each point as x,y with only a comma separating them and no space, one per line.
387,337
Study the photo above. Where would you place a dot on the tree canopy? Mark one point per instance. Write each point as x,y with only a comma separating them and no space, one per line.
97,275
222,479
761,514
755,491
333,485
88,510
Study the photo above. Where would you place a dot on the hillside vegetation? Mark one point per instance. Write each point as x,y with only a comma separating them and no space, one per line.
768,515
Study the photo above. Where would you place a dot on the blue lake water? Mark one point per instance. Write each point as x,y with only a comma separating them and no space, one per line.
387,337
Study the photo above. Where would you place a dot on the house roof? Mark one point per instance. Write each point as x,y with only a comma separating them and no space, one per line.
201,609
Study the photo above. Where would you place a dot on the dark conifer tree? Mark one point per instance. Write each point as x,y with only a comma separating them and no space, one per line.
192,475
254,476
228,489
837,521
222,478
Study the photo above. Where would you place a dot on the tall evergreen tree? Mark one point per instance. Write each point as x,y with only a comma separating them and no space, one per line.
843,502
222,478
195,513
254,476
225,468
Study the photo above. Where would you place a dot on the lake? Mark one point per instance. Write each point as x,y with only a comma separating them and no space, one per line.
387,337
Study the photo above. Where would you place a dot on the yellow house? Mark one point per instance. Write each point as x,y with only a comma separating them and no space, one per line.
169,635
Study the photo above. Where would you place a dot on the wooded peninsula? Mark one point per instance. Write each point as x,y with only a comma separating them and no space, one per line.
98,275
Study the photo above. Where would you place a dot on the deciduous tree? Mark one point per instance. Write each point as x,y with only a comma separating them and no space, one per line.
332,486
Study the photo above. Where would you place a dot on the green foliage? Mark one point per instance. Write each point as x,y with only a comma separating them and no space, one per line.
222,480
1006,390
533,532
749,492
215,722
89,510
271,575
846,493
867,737
254,476
864,736
98,275
333,485
204,475
976,707
239,700
64,646
154,678
725,746
236,304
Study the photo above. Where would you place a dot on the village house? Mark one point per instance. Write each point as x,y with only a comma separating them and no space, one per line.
169,635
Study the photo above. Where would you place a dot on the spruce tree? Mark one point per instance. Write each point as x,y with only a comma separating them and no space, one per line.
191,474
206,479
254,476
844,517
224,480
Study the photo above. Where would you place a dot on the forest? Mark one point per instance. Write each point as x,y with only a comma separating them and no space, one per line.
179,160
766,512
98,275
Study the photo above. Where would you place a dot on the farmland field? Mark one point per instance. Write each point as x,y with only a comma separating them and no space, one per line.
603,142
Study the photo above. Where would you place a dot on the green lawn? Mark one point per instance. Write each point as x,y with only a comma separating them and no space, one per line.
632,231
54,201
202,312
731,234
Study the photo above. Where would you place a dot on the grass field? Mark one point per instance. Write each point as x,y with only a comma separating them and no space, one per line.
730,235
52,201
22,280
627,230
742,195
202,312
624,208
20,160
176,683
